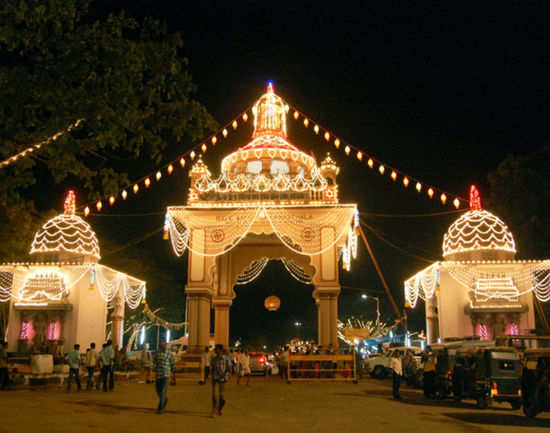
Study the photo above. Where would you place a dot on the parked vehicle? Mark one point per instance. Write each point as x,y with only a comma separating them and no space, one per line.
259,364
445,354
535,382
379,366
487,374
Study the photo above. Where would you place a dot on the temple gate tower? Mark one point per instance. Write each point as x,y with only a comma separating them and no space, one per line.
271,201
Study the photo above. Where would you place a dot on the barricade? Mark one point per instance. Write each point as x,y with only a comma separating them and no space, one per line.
325,368
190,367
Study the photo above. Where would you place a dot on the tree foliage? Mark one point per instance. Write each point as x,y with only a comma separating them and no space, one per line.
127,79
519,192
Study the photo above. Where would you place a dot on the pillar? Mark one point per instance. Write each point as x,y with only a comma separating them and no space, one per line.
327,314
198,321
221,320
117,320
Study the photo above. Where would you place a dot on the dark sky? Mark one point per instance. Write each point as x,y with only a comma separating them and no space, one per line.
441,90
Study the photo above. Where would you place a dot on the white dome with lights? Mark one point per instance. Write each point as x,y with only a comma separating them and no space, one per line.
478,235
67,235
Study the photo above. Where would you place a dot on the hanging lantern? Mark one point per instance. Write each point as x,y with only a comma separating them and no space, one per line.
158,176
381,169
214,140
182,161
406,181
86,211
245,117
124,194
456,203
347,150
370,163
224,133
430,192
306,122
192,155
170,169
359,156
99,205
327,136
393,175
272,303
316,129
418,186
147,182
296,115
203,147
337,143
234,124
136,188
443,198
112,200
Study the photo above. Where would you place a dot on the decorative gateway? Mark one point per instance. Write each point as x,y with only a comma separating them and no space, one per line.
479,290
267,186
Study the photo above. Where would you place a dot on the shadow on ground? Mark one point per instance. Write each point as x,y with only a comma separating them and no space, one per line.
489,418
106,407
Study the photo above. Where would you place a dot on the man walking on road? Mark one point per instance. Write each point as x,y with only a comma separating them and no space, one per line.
163,365
73,358
220,368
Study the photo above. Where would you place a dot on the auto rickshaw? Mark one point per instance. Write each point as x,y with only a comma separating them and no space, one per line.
535,382
488,374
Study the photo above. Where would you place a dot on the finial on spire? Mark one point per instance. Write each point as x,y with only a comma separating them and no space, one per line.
70,203
269,114
475,198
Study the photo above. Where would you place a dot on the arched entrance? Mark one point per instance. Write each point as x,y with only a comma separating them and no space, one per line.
271,200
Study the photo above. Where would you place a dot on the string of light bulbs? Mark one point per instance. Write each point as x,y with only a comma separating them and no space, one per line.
383,168
182,160
29,150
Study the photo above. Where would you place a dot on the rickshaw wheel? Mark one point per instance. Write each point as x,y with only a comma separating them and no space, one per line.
530,410
482,402
516,404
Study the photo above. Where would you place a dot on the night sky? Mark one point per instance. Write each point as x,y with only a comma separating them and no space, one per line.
440,90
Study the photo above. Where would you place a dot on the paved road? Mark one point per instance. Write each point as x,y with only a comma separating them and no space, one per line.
266,406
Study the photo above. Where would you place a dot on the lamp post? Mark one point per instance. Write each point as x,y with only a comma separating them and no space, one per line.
365,296
298,325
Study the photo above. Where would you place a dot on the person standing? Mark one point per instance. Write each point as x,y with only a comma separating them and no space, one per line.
147,362
73,358
111,370
397,369
163,365
429,376
244,367
206,360
106,356
220,368
283,363
91,363
4,372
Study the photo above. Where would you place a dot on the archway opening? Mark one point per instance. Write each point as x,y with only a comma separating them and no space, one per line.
254,326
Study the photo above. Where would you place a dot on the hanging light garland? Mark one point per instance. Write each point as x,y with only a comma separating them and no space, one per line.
169,168
383,168
29,150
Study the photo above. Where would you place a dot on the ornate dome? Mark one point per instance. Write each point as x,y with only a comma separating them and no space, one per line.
269,150
67,234
478,235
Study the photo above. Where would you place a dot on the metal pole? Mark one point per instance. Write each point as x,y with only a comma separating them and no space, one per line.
158,336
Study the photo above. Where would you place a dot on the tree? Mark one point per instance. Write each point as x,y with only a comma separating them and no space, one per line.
519,192
127,80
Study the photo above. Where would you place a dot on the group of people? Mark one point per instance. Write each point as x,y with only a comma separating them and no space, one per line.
404,365
104,361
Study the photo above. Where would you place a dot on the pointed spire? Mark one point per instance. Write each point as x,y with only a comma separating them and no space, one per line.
70,203
475,198
269,114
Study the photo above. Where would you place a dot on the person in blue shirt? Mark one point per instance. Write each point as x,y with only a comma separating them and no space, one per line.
163,364
73,358
107,357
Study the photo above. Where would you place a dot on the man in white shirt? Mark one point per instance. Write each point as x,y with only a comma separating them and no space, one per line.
397,369
91,363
